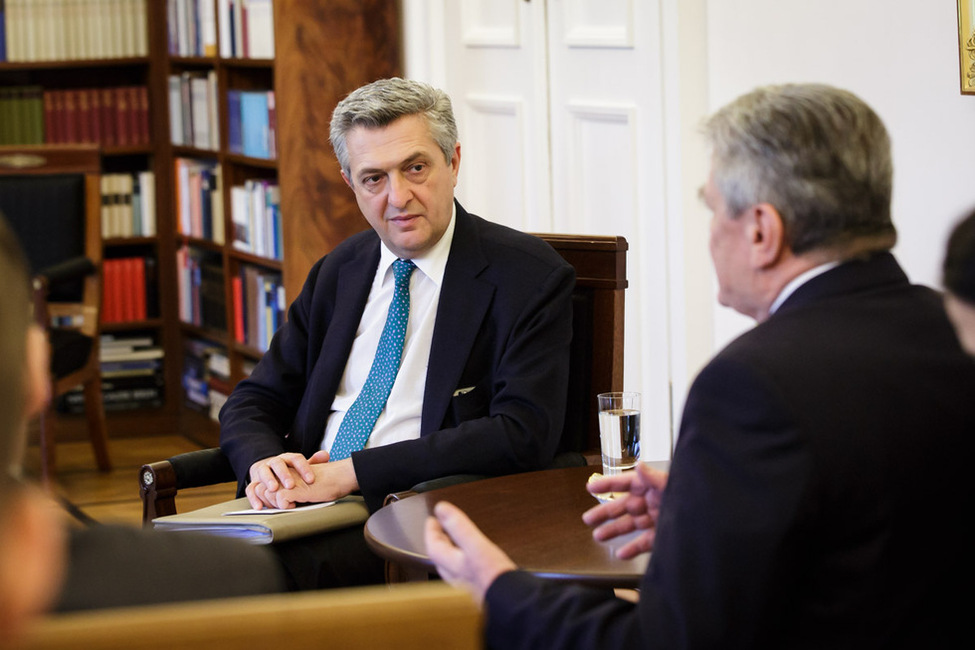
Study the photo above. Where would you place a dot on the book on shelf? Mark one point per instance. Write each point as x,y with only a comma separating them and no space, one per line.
21,115
199,203
255,209
191,27
128,289
193,110
246,29
259,301
128,205
251,122
59,30
201,288
111,117
206,376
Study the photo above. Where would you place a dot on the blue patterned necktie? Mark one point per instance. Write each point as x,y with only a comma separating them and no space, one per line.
362,415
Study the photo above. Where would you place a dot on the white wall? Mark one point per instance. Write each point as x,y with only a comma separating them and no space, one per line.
902,58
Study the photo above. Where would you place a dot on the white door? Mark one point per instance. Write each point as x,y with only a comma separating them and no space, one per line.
561,125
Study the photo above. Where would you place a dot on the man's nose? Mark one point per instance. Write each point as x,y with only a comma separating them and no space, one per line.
400,191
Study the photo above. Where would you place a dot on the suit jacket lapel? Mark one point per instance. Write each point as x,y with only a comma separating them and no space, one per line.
352,290
464,301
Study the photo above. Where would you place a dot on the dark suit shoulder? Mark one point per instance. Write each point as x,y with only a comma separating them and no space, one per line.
519,251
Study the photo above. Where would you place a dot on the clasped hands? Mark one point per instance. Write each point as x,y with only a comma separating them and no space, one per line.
466,558
287,479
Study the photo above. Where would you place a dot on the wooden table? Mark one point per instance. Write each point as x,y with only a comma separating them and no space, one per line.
535,517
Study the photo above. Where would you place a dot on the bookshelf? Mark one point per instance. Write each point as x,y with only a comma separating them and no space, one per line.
322,49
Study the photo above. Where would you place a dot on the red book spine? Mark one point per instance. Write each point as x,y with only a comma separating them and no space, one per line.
84,116
144,115
109,121
59,117
50,118
70,117
238,288
122,117
133,115
95,118
131,288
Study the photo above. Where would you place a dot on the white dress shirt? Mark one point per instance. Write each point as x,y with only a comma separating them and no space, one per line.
797,282
400,420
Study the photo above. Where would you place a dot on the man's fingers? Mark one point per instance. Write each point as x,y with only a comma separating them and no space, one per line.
633,548
458,525
604,512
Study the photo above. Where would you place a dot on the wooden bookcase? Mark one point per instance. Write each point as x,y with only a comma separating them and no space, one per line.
323,50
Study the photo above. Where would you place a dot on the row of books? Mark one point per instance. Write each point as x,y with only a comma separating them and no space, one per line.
245,27
129,290
61,30
128,205
255,209
202,299
117,116
199,200
132,375
193,110
21,115
206,376
252,123
259,306
114,116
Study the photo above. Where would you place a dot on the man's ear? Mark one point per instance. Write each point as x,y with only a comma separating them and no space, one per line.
346,179
767,233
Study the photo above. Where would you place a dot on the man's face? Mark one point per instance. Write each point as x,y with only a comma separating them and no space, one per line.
962,316
402,183
729,251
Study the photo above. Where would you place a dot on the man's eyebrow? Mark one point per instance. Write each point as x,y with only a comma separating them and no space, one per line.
406,162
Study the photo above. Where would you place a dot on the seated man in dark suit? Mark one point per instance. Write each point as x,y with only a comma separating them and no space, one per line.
44,563
436,343
820,487
959,281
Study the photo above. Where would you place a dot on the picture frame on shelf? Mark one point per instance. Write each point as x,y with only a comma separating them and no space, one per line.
966,46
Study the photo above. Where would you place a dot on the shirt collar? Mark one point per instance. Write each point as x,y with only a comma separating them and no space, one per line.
433,263
798,281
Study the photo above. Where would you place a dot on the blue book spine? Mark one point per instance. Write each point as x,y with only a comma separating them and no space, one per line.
234,136
254,124
3,31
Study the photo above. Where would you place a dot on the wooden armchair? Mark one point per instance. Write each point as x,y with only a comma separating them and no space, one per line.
595,366
51,196
410,617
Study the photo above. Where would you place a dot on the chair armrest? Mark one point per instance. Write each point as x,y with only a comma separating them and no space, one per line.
70,269
160,481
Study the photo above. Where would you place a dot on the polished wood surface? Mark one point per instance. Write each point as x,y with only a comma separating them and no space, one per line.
323,51
535,517
409,617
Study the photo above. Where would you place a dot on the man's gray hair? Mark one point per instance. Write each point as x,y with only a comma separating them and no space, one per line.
382,102
818,154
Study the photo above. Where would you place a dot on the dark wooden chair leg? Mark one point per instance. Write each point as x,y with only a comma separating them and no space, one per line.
95,412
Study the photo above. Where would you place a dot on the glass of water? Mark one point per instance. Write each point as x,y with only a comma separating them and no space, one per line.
619,430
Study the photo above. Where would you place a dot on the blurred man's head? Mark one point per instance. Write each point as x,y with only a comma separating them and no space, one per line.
31,542
797,171
959,281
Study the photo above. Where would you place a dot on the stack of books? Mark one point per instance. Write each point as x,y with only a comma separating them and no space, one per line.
112,117
193,110
132,375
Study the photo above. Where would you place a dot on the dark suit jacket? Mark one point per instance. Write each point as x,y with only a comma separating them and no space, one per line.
819,492
503,326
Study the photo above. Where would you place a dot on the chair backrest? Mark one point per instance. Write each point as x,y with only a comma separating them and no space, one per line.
418,616
596,357
51,197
